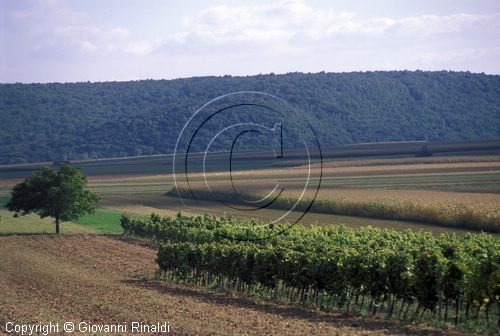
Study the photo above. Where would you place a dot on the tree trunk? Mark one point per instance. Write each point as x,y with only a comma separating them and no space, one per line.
440,304
57,224
276,294
390,306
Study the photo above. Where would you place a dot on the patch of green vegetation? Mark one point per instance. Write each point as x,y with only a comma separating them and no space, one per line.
104,190
3,201
101,220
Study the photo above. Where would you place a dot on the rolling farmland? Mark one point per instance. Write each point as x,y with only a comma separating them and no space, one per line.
291,167
441,185
445,184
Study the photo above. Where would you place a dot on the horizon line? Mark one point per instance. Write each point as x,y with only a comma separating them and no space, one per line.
249,75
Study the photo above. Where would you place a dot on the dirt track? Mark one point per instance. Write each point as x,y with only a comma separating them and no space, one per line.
95,278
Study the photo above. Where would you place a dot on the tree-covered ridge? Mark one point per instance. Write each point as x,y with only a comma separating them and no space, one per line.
43,122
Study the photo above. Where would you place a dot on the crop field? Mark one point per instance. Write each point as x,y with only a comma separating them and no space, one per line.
442,188
447,191
457,194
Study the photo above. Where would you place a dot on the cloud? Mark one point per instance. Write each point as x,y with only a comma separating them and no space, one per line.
53,25
288,19
140,47
285,25
264,23
434,24
88,46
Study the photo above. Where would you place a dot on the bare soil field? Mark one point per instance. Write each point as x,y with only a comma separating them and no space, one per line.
96,279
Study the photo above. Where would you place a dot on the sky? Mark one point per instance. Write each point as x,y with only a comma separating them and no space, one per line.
116,40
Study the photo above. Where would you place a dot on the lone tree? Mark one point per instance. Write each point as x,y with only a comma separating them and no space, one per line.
50,193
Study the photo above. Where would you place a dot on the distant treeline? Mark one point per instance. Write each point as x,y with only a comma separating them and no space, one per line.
53,122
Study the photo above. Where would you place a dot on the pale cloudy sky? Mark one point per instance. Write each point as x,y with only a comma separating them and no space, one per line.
97,40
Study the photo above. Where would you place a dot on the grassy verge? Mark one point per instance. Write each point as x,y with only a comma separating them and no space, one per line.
101,220
32,224
3,201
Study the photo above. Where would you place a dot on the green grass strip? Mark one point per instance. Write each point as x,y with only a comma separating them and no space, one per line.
3,201
102,220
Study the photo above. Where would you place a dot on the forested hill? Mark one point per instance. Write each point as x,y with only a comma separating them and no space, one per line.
46,122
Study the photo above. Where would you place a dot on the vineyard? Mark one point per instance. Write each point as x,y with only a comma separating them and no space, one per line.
409,276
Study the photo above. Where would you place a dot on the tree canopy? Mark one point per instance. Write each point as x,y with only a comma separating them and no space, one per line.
57,194
53,122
